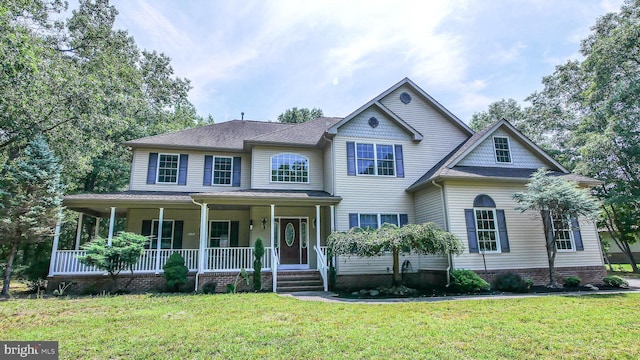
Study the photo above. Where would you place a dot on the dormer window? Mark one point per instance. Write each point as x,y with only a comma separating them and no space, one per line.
503,150
289,168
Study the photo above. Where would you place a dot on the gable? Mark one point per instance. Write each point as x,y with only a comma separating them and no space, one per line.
521,156
386,128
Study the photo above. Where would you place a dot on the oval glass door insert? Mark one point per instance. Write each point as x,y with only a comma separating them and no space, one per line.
289,234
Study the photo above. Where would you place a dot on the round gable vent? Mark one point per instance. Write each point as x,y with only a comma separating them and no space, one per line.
405,98
373,122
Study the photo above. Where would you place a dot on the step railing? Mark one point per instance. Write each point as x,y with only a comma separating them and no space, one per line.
321,260
275,261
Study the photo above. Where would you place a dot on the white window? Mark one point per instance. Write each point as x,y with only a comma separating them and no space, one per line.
219,233
487,230
168,168
562,233
166,241
374,221
291,168
375,159
222,170
502,148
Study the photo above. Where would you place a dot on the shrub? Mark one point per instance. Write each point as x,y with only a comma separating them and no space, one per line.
571,281
258,253
511,282
175,272
467,281
616,281
209,288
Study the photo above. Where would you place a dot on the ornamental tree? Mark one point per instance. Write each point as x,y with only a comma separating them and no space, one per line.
425,238
552,198
123,254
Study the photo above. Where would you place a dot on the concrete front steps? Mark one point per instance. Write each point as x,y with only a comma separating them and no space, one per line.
299,280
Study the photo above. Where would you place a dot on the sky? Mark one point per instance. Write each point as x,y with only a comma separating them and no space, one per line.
263,57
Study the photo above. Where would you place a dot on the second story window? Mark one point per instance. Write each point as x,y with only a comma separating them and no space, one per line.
292,168
503,151
168,168
375,159
222,170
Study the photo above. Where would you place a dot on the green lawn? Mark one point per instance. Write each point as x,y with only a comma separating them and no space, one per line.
270,326
623,270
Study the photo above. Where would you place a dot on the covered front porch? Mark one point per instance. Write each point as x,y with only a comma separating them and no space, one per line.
213,232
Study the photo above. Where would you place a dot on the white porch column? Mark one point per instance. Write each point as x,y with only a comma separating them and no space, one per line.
203,238
79,231
159,239
54,247
318,225
112,221
97,229
274,261
333,217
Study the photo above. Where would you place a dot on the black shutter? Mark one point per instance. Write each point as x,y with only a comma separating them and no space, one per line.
353,220
351,158
146,231
399,162
178,225
237,162
471,230
577,237
502,231
235,234
182,171
152,168
208,169
404,219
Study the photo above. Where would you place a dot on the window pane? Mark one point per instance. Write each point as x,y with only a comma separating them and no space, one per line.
167,234
219,234
389,218
304,236
167,168
369,221
365,159
385,160
502,149
222,171
289,168
486,230
562,233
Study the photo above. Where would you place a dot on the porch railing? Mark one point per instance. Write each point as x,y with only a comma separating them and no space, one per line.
321,258
233,259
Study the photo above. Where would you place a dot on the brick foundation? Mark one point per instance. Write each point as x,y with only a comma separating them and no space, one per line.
84,284
427,279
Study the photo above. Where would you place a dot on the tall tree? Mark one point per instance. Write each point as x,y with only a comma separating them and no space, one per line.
32,203
508,109
296,116
555,200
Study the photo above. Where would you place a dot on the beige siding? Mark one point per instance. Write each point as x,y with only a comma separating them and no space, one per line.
526,238
195,172
261,165
384,264
484,154
328,169
359,127
429,206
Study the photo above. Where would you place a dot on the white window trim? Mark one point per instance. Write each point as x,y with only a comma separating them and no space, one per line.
379,217
375,159
497,230
495,151
570,230
213,171
228,233
289,182
158,169
154,237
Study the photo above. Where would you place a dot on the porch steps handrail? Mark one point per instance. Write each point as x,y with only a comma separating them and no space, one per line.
321,260
275,261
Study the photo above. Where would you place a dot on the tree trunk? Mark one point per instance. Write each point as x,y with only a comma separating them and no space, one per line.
9,268
397,278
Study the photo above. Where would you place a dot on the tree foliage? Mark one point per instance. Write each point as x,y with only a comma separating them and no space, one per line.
123,253
258,253
508,109
555,198
175,272
425,238
31,203
296,116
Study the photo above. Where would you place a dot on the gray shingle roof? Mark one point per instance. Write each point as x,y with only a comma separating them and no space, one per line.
228,135
308,133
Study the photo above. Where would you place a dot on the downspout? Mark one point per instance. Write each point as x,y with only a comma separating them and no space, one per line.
200,264
446,227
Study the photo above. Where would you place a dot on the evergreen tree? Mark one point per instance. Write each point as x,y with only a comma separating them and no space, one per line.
296,116
32,201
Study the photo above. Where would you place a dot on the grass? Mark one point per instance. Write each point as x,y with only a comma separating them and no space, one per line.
623,270
269,326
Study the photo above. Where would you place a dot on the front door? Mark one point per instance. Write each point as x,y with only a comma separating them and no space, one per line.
290,249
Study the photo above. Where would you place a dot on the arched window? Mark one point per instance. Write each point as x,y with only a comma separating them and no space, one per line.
289,168
486,227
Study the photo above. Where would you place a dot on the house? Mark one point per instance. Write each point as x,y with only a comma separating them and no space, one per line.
210,192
